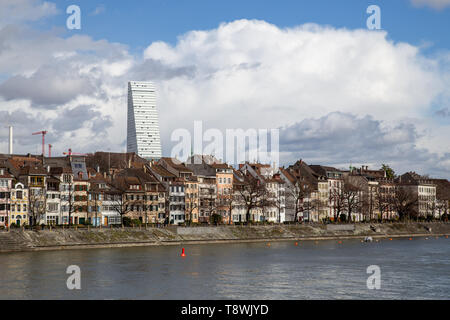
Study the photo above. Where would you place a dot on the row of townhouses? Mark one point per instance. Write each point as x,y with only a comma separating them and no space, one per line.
103,188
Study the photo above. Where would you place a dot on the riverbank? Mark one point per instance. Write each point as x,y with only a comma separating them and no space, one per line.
64,239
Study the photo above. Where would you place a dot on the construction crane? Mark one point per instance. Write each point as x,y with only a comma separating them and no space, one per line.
43,140
70,153
50,150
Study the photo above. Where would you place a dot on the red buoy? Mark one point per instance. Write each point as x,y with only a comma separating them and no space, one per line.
183,254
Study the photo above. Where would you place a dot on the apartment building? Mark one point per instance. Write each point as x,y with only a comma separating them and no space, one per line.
421,187
224,187
19,204
335,182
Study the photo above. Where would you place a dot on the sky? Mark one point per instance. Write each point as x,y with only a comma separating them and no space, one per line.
340,94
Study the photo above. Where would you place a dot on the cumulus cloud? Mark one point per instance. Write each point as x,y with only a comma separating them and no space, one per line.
16,11
336,92
360,71
341,139
49,86
435,4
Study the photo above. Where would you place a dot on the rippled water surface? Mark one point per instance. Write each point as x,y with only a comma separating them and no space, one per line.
417,269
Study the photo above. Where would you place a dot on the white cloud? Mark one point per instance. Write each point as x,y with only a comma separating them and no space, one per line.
435,4
338,84
16,11
288,71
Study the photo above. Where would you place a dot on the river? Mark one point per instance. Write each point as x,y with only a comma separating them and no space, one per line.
410,269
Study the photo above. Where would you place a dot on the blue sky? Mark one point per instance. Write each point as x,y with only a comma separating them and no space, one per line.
339,93
138,23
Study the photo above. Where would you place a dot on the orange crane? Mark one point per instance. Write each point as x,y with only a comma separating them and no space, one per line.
70,153
43,140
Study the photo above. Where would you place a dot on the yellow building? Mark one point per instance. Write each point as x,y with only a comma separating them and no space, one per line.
19,205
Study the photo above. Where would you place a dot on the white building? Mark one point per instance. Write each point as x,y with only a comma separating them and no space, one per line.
143,137
177,203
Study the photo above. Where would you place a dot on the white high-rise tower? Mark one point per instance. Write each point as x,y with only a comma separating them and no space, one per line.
143,136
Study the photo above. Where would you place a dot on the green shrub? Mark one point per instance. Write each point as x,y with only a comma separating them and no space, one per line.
136,222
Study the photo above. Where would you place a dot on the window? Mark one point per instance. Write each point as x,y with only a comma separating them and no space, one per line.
53,207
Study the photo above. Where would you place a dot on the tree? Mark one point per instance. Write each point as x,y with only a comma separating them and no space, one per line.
352,196
209,202
298,193
384,202
337,199
404,203
215,219
37,205
252,193
318,204
432,208
441,208
279,202
390,173
120,203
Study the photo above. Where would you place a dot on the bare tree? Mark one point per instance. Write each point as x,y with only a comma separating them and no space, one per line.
210,203
338,201
404,203
37,205
383,202
441,208
298,192
352,196
120,203
279,204
252,193
71,200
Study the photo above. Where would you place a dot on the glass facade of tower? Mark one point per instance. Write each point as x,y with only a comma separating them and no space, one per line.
143,137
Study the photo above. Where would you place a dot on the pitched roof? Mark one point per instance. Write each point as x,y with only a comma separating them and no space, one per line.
33,170
162,171
176,164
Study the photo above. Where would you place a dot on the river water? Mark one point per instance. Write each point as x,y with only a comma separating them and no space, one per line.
417,269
